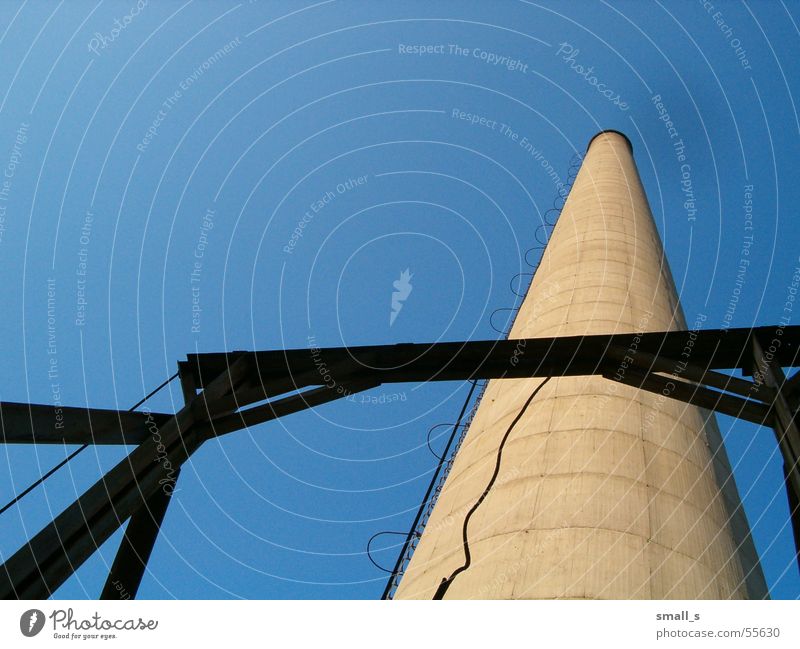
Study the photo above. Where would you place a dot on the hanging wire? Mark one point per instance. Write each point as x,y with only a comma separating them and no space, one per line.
496,311
74,454
541,235
415,530
549,218
405,556
533,265
447,581
430,430
511,283
369,548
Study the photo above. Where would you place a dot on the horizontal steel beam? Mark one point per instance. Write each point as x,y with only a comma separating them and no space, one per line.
30,423
243,378
284,370
270,373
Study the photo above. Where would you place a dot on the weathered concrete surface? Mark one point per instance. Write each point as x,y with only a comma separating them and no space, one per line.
604,491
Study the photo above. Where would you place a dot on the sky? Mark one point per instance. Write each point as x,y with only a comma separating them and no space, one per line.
200,176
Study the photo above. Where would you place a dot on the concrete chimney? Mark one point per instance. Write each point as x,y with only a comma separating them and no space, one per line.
604,491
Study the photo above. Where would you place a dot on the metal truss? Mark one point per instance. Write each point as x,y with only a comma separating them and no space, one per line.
225,392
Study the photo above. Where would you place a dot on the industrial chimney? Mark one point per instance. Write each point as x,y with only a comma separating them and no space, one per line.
603,490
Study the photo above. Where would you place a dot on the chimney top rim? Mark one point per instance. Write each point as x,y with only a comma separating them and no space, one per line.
615,132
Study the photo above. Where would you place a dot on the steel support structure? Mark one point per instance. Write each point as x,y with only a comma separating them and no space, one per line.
225,392
134,551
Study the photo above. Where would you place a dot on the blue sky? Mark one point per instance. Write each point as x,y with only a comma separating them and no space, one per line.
203,132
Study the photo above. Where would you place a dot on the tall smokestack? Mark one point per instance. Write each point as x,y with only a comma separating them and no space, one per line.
604,491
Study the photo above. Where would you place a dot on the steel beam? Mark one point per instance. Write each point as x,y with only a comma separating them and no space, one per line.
679,390
284,370
687,369
793,384
285,406
134,486
30,423
784,423
130,562
137,544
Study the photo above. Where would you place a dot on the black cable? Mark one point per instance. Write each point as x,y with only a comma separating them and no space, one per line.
20,496
153,392
497,310
425,499
520,275
545,234
433,428
369,548
528,261
445,584
552,220
563,193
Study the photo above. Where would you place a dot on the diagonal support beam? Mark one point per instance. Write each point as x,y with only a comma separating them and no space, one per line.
286,406
793,384
130,562
684,369
137,545
794,508
772,375
679,390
